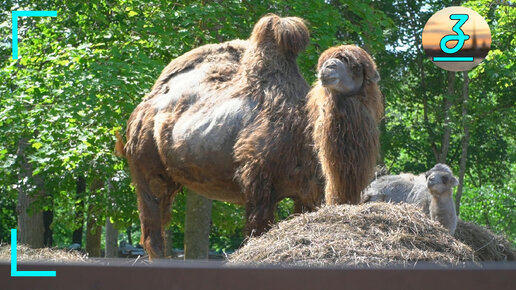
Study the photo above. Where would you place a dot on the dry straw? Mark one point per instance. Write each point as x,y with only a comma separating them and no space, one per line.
368,235
25,253
487,245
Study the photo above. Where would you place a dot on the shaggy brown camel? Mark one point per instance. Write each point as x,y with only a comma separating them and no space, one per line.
229,122
345,107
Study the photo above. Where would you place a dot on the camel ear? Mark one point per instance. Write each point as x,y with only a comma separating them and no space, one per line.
454,181
374,76
370,71
289,33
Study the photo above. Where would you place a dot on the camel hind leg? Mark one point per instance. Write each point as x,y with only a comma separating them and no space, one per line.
155,192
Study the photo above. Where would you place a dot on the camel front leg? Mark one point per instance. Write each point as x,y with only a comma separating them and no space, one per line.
259,216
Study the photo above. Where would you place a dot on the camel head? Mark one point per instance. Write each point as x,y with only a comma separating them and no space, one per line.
346,69
440,180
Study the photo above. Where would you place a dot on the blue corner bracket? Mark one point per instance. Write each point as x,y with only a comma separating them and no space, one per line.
14,266
15,15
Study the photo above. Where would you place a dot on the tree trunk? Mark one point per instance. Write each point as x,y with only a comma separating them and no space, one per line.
445,143
30,221
79,210
197,226
424,95
93,227
129,238
93,233
465,141
48,218
111,239
168,242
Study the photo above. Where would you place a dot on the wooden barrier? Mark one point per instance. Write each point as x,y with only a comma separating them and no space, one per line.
214,275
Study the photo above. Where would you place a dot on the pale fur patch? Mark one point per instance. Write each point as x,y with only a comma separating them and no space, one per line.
214,129
186,81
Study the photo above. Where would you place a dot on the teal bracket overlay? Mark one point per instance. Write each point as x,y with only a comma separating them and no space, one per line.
14,266
15,15
453,58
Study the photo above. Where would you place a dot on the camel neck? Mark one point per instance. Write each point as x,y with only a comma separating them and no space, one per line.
442,199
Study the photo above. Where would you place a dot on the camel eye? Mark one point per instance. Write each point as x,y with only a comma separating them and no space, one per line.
356,69
445,179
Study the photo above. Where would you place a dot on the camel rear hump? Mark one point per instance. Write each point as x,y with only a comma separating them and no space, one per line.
290,34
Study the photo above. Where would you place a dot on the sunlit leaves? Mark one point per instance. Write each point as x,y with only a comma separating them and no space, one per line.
82,73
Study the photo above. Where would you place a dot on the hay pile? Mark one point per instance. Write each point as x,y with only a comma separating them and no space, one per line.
487,245
25,254
368,235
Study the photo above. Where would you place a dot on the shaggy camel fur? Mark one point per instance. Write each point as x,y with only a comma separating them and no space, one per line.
229,121
431,191
345,107
226,121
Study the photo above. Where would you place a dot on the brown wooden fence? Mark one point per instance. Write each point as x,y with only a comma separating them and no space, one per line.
210,275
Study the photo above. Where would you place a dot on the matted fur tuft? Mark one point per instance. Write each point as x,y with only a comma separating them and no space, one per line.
345,132
289,33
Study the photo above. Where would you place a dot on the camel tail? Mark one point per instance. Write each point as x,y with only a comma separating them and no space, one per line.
119,146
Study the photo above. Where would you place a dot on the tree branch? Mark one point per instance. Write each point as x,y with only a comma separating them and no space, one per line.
465,141
445,143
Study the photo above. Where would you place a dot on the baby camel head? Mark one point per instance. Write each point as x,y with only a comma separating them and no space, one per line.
440,180
346,69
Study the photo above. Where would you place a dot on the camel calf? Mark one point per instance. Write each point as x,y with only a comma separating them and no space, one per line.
431,191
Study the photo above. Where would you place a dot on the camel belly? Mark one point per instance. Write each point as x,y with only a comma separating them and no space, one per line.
199,147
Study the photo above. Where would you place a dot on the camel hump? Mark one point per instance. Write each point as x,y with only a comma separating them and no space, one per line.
227,52
289,33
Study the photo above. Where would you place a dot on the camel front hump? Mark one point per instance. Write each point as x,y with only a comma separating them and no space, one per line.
184,85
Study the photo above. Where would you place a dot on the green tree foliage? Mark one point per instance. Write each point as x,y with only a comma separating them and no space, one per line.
416,93
81,74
